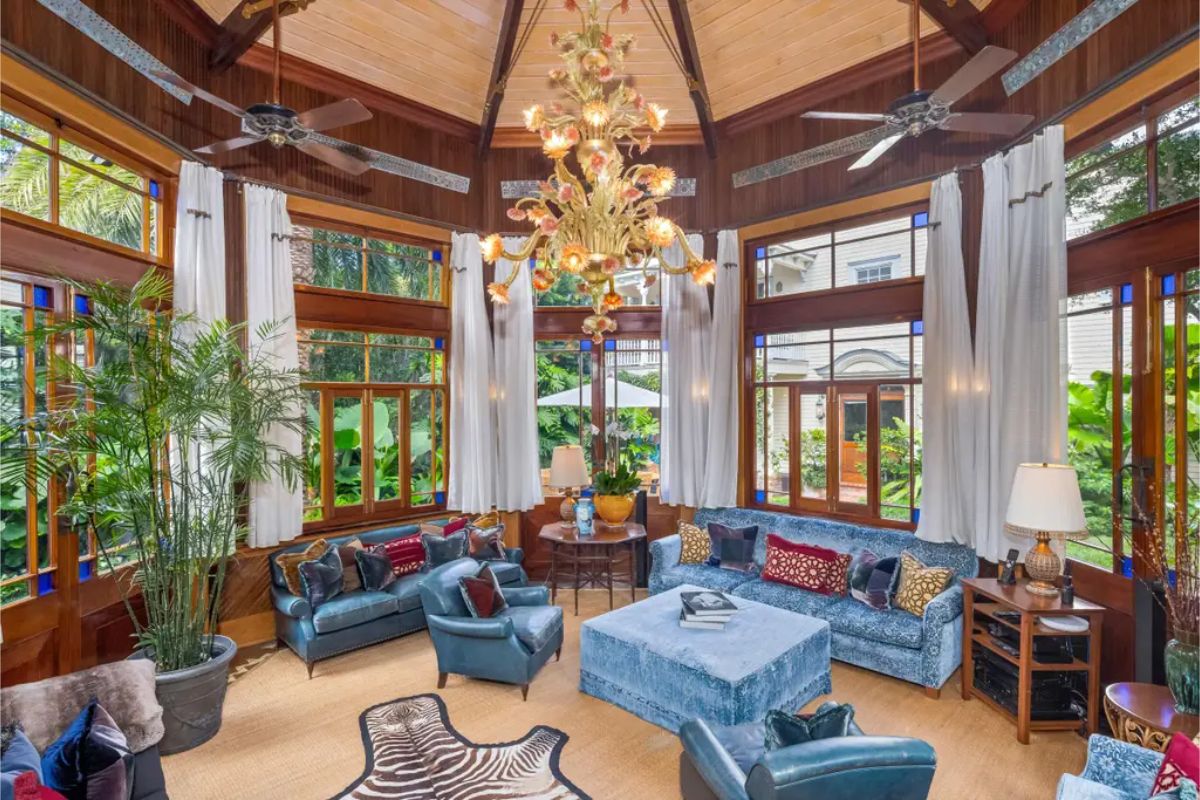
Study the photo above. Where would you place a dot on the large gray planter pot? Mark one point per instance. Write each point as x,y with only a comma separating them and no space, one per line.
192,698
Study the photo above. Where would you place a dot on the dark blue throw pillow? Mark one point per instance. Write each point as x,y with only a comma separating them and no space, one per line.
374,568
322,578
443,549
785,730
91,759
732,548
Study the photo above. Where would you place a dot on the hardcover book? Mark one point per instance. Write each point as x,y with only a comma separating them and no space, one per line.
707,604
700,623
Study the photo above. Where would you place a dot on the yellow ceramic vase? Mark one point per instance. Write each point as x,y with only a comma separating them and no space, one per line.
614,509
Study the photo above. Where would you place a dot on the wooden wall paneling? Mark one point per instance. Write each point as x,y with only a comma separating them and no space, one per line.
34,30
31,658
235,252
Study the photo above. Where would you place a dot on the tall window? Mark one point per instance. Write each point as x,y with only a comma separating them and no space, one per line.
564,392
633,386
364,261
1178,470
77,184
377,424
837,420
884,250
1153,165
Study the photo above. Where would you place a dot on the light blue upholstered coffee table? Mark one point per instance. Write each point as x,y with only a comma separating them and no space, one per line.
638,658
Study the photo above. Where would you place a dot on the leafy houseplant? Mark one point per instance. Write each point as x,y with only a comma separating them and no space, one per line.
614,490
153,447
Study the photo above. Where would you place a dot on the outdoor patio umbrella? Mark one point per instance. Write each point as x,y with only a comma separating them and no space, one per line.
628,396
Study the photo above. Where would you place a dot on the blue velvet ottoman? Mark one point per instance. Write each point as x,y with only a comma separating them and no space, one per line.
638,658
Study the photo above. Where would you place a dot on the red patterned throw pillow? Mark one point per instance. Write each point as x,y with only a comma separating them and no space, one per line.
805,566
406,553
1182,760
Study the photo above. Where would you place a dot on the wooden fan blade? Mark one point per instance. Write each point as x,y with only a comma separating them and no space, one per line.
228,144
334,115
875,152
845,115
208,97
983,65
978,122
334,157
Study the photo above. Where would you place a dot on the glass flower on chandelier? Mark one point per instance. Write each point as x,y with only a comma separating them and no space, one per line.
604,220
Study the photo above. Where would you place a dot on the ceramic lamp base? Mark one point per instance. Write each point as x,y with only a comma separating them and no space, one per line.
567,510
1042,565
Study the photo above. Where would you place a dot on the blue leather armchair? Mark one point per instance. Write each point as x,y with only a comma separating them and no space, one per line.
509,647
845,768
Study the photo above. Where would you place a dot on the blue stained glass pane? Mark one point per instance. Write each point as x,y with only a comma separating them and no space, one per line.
760,340
760,496
1126,293
85,570
439,497
610,344
585,344
41,297
83,305
45,583
760,252
437,256
439,344
1127,566
921,219
1168,285
916,515
918,327
154,190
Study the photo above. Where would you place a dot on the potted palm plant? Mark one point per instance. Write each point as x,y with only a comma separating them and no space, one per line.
614,489
153,446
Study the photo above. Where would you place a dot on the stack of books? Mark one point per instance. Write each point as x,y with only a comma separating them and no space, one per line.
709,610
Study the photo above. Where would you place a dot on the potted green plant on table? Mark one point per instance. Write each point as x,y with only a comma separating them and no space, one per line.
153,445
614,490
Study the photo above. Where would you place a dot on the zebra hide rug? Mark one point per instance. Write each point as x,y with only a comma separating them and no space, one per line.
414,753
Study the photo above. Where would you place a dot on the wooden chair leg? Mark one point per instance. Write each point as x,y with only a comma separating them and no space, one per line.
309,666
441,680
524,691
558,653
933,693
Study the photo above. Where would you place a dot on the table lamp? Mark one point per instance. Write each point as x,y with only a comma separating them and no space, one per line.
1045,504
568,472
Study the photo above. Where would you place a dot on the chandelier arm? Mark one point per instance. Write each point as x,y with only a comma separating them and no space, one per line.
512,273
528,247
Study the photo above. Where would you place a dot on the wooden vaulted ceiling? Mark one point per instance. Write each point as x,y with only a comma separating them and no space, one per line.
440,53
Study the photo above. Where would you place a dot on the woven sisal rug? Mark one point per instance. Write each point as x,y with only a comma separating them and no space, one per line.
414,753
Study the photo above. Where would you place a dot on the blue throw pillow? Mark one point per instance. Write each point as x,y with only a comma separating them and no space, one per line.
91,760
732,548
17,757
374,568
443,549
785,730
322,578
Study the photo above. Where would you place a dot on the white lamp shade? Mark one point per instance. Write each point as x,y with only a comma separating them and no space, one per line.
1045,497
567,469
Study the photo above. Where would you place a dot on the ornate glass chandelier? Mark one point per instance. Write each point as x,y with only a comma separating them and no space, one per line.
605,220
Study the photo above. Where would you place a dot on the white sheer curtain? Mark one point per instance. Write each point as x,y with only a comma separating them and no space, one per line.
686,326
472,432
518,475
276,511
948,451
721,464
199,273
1020,338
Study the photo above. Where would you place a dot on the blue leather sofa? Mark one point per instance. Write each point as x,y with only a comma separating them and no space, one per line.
360,618
851,767
1117,771
923,650
509,647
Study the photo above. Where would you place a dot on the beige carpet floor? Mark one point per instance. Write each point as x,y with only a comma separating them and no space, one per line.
285,736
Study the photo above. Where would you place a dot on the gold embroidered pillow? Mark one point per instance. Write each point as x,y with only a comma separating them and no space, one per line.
919,584
695,547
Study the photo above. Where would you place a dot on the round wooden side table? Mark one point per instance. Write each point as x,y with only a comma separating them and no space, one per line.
594,558
1144,714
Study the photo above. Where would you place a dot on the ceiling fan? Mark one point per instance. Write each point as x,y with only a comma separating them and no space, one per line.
280,125
922,110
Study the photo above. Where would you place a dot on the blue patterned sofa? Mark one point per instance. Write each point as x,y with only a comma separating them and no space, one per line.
360,618
924,651
1118,771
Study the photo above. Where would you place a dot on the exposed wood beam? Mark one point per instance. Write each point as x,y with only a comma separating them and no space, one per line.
961,20
237,35
691,61
509,26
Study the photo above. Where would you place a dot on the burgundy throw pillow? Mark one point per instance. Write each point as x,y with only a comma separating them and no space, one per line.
406,553
1181,760
455,525
805,566
482,594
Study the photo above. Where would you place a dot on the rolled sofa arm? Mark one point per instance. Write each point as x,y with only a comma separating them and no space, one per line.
722,774
289,604
514,555
946,607
498,628
664,553
843,767
527,596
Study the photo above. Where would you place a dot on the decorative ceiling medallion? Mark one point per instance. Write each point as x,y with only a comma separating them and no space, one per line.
103,33
1063,41
513,190
386,162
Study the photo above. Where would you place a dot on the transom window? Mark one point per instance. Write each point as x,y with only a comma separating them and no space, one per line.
884,250
367,261
78,185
